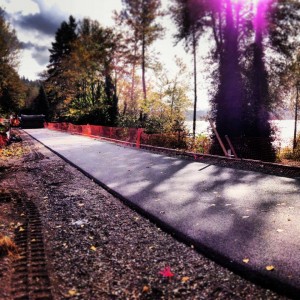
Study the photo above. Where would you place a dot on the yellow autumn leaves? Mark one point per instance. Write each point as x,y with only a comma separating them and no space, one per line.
7,246
14,150
268,268
93,248
72,292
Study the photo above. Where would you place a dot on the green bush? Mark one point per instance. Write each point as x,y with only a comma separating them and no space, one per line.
291,154
128,121
166,140
200,144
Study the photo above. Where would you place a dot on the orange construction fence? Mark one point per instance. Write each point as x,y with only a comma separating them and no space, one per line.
128,136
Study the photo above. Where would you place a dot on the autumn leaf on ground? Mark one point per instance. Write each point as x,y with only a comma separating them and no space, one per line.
270,268
166,272
246,260
72,292
185,279
7,246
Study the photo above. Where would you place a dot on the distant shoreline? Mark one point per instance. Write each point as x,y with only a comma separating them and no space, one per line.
284,133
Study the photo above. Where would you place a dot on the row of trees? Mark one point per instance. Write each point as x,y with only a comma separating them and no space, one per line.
11,87
253,42
111,76
98,75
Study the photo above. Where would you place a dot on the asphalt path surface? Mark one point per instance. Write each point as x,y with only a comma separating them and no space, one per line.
243,219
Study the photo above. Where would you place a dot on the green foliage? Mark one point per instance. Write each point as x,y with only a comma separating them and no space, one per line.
189,18
154,125
200,144
79,83
284,27
128,121
62,46
56,83
3,129
12,92
291,154
95,116
174,140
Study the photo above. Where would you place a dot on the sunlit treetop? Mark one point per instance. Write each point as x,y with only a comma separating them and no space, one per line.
259,8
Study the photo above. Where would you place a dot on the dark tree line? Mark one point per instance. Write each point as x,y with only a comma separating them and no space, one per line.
241,34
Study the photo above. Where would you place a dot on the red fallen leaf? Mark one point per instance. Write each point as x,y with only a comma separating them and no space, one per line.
166,272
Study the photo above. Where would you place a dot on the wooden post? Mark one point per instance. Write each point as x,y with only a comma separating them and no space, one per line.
138,137
296,118
231,146
218,137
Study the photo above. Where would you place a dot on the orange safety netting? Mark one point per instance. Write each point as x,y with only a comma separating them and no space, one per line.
129,136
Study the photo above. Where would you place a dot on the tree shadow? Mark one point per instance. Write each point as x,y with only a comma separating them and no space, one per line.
228,214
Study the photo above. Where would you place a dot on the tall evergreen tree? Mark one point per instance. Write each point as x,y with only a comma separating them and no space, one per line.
40,103
83,84
60,51
61,48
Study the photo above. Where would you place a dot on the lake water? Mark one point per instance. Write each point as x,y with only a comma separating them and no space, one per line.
284,130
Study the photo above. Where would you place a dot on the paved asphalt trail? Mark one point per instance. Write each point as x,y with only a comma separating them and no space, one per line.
229,214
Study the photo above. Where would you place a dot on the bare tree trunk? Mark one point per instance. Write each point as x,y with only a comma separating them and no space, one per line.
132,88
125,108
143,76
133,73
132,83
195,84
116,80
296,117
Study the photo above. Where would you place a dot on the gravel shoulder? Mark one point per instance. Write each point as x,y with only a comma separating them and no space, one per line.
98,248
